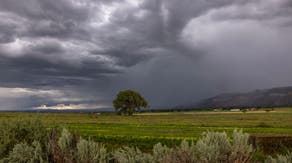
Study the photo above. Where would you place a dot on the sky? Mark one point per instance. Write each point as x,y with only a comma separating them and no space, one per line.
174,52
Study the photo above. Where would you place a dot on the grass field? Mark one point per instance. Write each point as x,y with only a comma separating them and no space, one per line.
146,129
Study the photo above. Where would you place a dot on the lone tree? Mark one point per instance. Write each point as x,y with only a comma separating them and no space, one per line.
128,101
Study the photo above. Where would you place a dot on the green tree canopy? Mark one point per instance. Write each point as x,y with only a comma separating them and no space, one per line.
128,101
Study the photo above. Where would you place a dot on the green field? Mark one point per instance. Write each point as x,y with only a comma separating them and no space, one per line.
146,129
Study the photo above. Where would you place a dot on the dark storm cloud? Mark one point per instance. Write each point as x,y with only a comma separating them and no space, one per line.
172,51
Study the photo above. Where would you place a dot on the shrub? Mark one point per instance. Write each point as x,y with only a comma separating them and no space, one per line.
27,141
23,153
69,148
241,149
161,153
89,151
186,152
19,131
217,147
280,158
132,155
62,149
213,147
183,153
65,142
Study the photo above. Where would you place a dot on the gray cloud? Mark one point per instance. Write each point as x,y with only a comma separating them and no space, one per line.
174,52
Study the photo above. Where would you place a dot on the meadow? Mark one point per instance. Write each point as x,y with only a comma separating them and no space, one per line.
146,129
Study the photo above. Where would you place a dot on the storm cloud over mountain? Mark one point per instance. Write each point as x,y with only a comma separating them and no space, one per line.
174,52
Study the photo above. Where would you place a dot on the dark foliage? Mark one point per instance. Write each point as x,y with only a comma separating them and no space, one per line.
128,101
19,131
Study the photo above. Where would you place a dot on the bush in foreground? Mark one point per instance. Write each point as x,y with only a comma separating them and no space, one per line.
21,131
90,151
280,158
23,152
212,147
68,147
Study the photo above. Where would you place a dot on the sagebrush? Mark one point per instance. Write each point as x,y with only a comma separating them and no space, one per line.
29,141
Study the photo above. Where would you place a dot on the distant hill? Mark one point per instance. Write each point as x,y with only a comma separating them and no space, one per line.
275,97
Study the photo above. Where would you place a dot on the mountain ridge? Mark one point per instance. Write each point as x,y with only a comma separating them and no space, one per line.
273,97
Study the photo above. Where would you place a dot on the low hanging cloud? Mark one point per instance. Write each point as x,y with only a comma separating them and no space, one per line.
26,99
173,52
